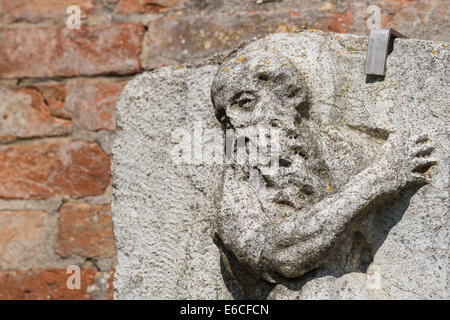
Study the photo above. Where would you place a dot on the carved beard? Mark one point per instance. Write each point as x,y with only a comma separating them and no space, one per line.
301,179
253,203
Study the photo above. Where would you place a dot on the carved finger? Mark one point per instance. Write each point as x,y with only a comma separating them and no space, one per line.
421,138
421,165
420,178
423,150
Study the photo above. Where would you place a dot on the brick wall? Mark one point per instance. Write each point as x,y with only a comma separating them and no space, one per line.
58,89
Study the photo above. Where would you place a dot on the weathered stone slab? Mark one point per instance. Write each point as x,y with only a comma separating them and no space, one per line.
167,209
161,210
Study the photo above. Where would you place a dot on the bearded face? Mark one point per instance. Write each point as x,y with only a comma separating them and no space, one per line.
263,94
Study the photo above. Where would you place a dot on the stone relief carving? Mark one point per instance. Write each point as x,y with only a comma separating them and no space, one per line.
385,240
272,228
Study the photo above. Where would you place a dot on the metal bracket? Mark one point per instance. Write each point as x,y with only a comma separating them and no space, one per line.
380,45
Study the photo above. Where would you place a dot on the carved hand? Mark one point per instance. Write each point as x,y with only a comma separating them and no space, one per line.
304,242
405,164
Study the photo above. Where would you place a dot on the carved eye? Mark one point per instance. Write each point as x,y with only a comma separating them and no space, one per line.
245,100
263,76
293,91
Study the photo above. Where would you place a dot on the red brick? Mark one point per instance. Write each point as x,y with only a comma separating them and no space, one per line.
35,10
28,52
126,7
340,21
52,52
54,96
24,114
22,237
110,291
178,39
415,18
85,230
43,285
40,171
410,17
91,104
44,110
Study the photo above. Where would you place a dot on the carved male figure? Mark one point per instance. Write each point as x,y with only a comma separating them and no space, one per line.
289,223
